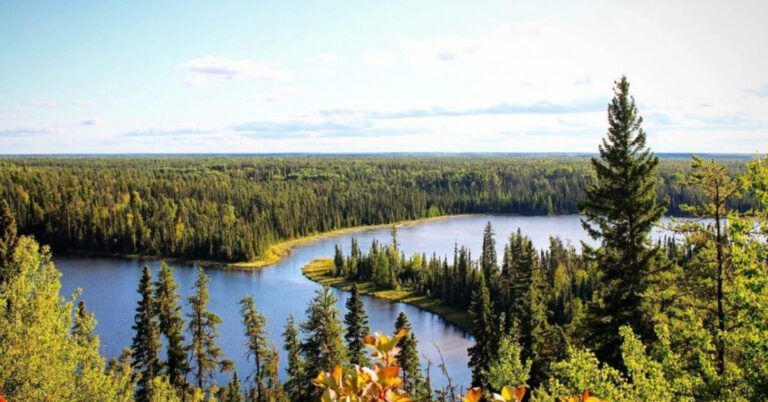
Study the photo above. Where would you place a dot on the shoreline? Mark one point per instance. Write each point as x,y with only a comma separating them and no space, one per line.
274,254
317,271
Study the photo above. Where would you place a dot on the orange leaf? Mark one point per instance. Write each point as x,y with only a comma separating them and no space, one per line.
473,395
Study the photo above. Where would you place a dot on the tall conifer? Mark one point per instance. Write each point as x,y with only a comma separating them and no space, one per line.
171,326
256,343
482,353
356,322
203,332
146,343
295,387
620,209
322,347
408,358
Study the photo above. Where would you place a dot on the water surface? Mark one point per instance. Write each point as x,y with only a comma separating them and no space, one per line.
109,286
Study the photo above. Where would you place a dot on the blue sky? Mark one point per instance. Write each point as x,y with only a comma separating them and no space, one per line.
420,76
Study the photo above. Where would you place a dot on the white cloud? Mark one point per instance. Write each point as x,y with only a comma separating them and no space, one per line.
278,96
92,121
28,130
42,103
204,69
324,59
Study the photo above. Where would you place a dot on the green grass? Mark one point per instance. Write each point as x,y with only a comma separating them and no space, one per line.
320,271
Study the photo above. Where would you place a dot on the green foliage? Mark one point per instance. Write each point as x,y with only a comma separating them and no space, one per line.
508,368
254,325
146,342
45,353
8,238
356,322
620,209
294,384
322,346
483,352
171,327
203,332
644,380
410,364
233,209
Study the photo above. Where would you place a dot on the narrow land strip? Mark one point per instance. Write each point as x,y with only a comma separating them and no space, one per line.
320,270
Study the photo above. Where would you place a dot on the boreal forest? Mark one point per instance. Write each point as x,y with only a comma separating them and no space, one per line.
681,318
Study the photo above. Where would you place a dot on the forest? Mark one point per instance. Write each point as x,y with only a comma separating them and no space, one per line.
681,319
233,209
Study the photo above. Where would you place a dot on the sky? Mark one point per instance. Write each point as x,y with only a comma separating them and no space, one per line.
387,76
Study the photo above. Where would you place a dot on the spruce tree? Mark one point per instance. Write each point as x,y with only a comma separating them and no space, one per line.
338,261
620,209
408,358
146,343
171,326
488,259
257,343
356,322
322,347
483,352
233,392
294,384
203,332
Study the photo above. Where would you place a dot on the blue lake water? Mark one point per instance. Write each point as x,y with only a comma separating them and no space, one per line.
109,286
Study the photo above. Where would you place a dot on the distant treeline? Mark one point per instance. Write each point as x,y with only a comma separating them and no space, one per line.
233,209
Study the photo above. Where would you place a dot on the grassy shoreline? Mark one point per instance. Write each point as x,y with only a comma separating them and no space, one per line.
274,254
319,271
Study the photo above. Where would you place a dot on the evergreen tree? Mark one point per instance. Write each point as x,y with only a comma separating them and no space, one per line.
408,358
233,391
146,342
294,384
8,238
322,347
273,389
171,326
508,369
338,261
483,352
620,209
356,322
203,332
256,343
488,259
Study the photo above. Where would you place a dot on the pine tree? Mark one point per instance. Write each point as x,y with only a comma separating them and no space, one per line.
620,209
172,326
356,322
488,259
256,343
294,384
483,352
202,328
8,238
322,347
408,358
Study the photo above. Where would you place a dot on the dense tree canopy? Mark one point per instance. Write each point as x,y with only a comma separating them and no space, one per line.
233,209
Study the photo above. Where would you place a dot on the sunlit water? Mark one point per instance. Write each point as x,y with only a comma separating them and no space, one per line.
109,287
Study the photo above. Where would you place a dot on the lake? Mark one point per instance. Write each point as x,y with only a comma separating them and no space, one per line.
109,287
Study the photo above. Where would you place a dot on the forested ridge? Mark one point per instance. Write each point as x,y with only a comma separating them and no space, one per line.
233,209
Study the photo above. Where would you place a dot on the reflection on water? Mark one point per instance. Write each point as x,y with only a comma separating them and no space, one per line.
109,286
